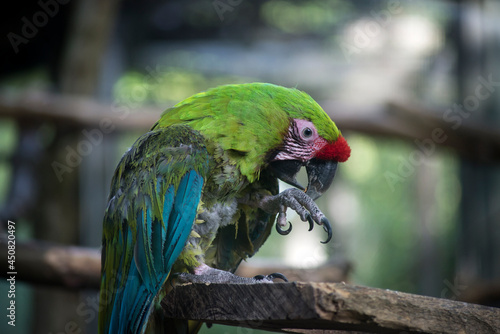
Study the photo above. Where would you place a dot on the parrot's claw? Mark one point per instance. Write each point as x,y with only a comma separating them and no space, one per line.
283,232
270,277
328,228
301,203
311,222
278,275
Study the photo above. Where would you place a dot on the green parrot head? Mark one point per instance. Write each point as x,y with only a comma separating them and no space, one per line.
312,140
263,125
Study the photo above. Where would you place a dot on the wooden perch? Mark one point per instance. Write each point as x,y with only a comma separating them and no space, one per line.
76,111
478,141
55,265
285,307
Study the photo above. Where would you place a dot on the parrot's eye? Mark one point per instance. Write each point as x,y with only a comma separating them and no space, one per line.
307,132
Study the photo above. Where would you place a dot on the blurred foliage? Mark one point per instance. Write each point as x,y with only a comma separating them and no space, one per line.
33,79
304,16
5,177
8,137
8,140
166,86
383,238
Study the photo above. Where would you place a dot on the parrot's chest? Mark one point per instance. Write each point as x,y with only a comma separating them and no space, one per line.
208,222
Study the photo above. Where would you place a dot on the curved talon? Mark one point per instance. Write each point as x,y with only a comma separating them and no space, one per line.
277,275
270,277
311,222
284,232
328,229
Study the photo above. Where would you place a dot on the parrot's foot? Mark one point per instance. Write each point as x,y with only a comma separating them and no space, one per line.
301,203
206,274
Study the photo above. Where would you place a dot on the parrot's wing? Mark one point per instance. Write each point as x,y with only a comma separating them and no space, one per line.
153,204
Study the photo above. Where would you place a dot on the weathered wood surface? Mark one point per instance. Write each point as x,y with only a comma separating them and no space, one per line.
327,306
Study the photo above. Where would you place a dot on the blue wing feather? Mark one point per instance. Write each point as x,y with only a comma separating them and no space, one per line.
139,293
142,246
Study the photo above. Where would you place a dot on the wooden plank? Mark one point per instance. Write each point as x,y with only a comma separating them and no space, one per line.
326,306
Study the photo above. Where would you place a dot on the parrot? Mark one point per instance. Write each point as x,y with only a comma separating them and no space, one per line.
199,193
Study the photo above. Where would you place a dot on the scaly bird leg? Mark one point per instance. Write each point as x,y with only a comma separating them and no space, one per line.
298,201
206,274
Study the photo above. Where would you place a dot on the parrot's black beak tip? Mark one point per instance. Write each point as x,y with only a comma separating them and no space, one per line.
320,175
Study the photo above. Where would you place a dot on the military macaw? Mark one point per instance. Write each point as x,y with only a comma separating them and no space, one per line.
199,192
